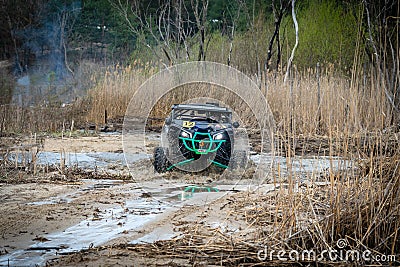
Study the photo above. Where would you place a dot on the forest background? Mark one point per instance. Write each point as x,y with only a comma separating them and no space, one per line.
90,54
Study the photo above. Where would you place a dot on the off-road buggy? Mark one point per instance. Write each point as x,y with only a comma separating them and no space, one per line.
196,136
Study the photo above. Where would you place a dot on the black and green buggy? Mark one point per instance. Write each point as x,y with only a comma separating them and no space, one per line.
197,136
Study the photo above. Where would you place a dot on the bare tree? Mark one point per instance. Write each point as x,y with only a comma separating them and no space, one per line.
14,41
234,19
16,18
136,21
183,32
200,13
66,20
169,27
296,27
279,11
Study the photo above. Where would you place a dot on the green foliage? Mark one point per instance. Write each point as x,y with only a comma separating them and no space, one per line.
100,23
218,48
223,15
327,34
97,29
143,53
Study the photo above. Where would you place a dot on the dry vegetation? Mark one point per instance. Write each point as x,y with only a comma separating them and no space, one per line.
362,208
312,102
344,117
318,112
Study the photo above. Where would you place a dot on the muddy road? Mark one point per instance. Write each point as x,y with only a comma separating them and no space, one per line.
87,199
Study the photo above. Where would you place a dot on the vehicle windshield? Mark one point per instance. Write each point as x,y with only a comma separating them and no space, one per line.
199,115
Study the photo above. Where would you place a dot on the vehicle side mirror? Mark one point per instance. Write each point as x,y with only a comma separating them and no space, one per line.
168,120
235,124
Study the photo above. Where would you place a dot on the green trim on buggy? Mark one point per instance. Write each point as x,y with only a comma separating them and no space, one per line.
193,142
179,163
219,164
190,160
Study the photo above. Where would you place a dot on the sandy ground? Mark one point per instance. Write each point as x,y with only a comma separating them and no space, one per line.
171,224
149,207
101,143
25,219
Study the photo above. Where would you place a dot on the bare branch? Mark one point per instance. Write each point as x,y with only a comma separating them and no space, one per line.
200,21
296,27
278,15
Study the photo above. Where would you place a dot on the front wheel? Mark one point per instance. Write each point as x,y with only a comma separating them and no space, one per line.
160,160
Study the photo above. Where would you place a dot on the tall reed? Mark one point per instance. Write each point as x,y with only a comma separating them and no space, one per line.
315,101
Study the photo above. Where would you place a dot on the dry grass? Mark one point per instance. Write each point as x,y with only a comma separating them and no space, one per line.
344,117
347,118
316,101
112,95
310,103
17,119
363,209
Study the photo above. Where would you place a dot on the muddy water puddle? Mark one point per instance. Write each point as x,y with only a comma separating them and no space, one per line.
89,160
83,160
303,167
95,231
143,207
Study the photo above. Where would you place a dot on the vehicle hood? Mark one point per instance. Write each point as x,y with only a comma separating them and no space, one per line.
203,126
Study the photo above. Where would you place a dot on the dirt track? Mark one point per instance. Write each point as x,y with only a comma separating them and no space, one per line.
94,214
40,213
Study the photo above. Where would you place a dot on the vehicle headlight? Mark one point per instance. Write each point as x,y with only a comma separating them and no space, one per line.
218,136
185,134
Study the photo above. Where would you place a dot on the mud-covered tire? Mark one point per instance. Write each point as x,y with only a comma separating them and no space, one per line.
160,160
239,160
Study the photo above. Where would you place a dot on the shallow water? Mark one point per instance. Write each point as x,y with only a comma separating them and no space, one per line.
111,223
301,166
89,160
106,224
